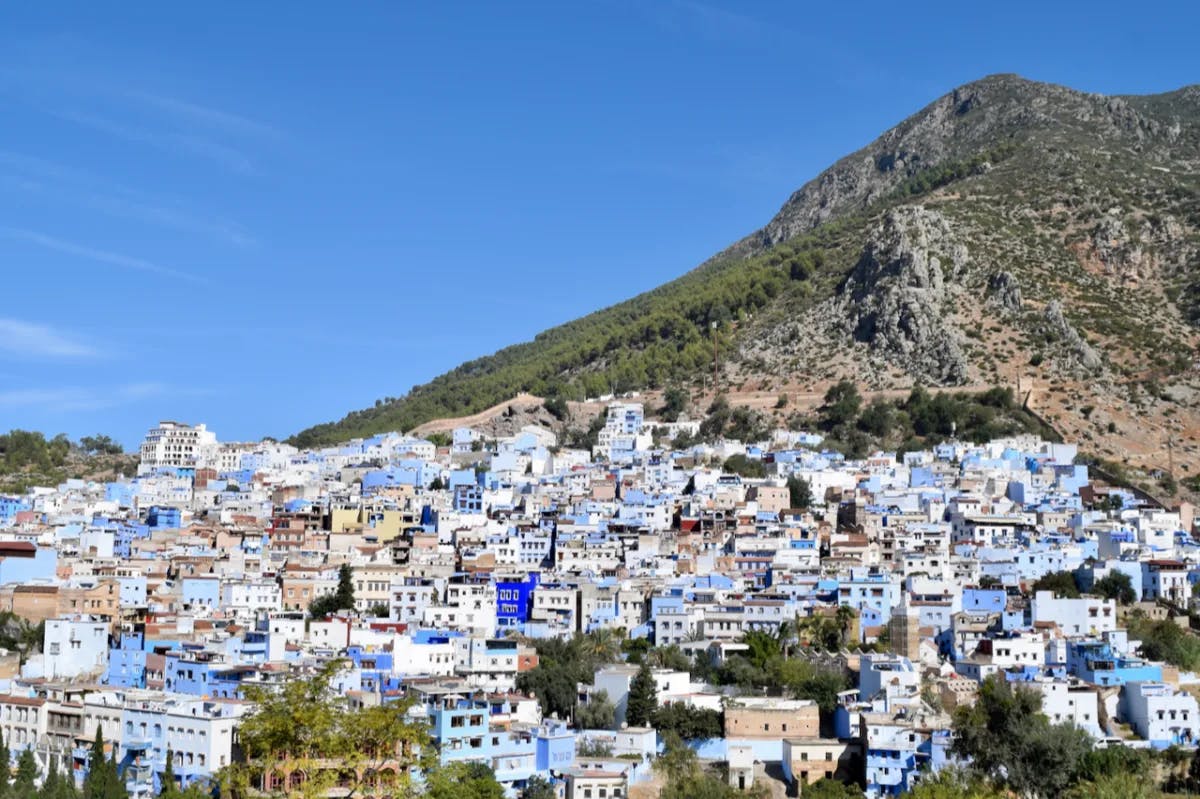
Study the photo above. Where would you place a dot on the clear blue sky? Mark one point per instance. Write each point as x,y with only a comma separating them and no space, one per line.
263,215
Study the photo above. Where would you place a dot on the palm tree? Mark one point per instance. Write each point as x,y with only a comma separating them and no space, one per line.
786,635
602,645
844,615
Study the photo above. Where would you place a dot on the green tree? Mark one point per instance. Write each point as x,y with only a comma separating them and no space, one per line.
341,599
826,788
675,402
950,783
538,787
58,785
688,723
799,492
598,714
685,778
557,407
1115,786
842,404
1116,585
102,780
303,722
1061,583
643,698
170,787
463,781
877,418
744,466
27,771
5,769
1010,742
1165,641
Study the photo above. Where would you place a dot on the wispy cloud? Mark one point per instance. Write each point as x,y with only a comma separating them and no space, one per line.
93,254
75,398
214,118
64,183
168,141
30,339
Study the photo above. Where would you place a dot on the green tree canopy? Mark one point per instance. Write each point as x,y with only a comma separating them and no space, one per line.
341,599
643,698
1116,585
1010,742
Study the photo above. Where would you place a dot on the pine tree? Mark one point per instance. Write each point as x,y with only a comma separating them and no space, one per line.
50,786
116,786
27,771
5,769
168,790
94,782
64,786
643,698
341,599
103,780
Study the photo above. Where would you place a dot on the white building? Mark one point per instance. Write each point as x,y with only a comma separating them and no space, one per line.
173,444
1083,616
74,647
1160,714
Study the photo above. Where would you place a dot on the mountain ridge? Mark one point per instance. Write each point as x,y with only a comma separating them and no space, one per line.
1004,195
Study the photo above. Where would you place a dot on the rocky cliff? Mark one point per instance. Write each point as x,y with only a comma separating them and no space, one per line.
1011,232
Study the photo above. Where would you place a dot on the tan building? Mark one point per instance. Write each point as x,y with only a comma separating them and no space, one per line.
373,584
102,599
771,499
36,603
769,717
808,760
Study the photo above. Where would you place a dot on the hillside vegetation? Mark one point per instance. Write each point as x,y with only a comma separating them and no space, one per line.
1010,231
28,458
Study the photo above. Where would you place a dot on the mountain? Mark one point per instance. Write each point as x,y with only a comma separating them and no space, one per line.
1009,232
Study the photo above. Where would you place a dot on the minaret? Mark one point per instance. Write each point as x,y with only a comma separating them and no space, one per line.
905,630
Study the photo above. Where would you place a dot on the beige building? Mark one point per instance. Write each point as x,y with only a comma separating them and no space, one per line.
808,760
769,717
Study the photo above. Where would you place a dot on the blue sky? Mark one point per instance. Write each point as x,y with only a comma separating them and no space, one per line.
263,215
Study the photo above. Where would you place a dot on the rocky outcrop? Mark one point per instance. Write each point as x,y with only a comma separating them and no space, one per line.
1075,354
895,298
967,122
1004,292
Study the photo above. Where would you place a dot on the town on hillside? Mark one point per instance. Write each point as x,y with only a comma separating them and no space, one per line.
631,620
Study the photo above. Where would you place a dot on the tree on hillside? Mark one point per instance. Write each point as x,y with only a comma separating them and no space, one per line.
1116,585
842,404
643,698
689,723
304,722
827,788
597,714
1009,741
538,787
1062,584
746,467
799,492
675,402
463,781
341,599
556,406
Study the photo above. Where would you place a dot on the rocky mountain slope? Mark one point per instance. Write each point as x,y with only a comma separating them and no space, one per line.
1010,232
